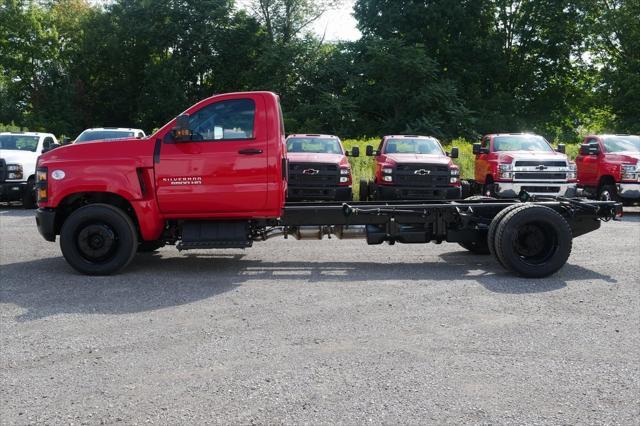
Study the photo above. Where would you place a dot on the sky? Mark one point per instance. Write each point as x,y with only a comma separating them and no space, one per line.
339,24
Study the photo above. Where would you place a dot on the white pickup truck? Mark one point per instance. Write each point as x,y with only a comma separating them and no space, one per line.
19,153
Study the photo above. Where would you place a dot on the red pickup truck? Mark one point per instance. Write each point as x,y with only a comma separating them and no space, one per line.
319,168
216,177
609,167
508,163
412,167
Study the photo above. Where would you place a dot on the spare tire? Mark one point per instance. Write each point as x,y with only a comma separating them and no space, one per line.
533,241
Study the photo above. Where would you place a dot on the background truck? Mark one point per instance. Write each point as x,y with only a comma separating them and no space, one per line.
19,152
319,168
410,167
216,177
108,134
609,167
508,163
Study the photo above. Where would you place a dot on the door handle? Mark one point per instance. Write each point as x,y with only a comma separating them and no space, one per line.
250,151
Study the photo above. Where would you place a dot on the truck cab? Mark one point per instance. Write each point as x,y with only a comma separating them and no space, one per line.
319,168
609,167
412,167
507,163
19,152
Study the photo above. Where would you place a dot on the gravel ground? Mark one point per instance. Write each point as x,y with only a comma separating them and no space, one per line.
319,332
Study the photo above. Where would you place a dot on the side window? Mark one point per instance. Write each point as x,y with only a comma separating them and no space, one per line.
225,120
48,143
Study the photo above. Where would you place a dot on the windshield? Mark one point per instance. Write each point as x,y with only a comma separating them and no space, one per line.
521,143
94,135
622,143
314,145
19,142
413,146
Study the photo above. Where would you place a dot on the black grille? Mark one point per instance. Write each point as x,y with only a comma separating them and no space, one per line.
421,175
534,163
3,170
313,174
540,176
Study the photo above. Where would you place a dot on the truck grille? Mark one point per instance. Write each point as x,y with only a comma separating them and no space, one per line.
534,163
313,174
540,176
421,175
3,170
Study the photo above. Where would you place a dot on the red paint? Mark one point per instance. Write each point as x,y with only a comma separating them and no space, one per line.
593,170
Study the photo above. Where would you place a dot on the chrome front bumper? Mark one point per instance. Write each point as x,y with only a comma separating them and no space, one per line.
512,189
629,190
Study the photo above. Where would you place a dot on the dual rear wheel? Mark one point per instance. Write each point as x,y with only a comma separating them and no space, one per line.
530,240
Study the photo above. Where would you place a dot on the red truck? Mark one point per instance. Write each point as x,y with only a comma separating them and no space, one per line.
609,167
411,167
216,177
319,168
508,163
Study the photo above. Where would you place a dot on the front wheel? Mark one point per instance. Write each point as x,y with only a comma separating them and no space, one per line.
98,239
533,241
608,193
363,190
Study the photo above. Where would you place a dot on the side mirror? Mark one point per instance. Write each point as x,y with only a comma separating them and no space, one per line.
454,152
66,140
369,151
50,148
181,131
589,149
561,148
355,152
477,148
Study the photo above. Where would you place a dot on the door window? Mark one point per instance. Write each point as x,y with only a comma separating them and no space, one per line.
48,143
225,120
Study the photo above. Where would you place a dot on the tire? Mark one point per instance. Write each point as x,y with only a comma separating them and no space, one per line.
478,198
29,196
465,189
493,227
363,190
533,241
149,246
608,193
98,239
373,194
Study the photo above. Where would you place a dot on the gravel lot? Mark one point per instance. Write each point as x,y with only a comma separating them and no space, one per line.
319,332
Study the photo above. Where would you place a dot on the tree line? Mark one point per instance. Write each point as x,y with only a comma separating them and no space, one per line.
560,68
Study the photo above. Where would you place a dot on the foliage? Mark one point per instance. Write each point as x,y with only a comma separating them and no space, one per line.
561,68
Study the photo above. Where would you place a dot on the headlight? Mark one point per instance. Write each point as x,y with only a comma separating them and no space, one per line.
344,179
572,173
629,172
345,172
387,171
14,171
387,178
454,171
505,171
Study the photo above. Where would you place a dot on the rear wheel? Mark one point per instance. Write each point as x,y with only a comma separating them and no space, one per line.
98,239
493,227
533,241
363,190
29,196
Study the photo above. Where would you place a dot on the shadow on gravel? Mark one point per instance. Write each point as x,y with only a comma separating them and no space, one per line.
15,210
49,286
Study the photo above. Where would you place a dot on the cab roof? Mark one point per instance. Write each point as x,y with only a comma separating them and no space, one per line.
27,133
408,137
123,129
312,135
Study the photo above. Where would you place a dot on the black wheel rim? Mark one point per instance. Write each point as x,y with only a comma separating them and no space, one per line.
605,195
535,243
97,242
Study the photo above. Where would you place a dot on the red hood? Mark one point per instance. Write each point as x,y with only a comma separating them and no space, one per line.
98,150
624,157
306,157
508,156
418,158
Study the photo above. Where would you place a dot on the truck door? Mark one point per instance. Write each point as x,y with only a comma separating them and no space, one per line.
587,165
222,167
